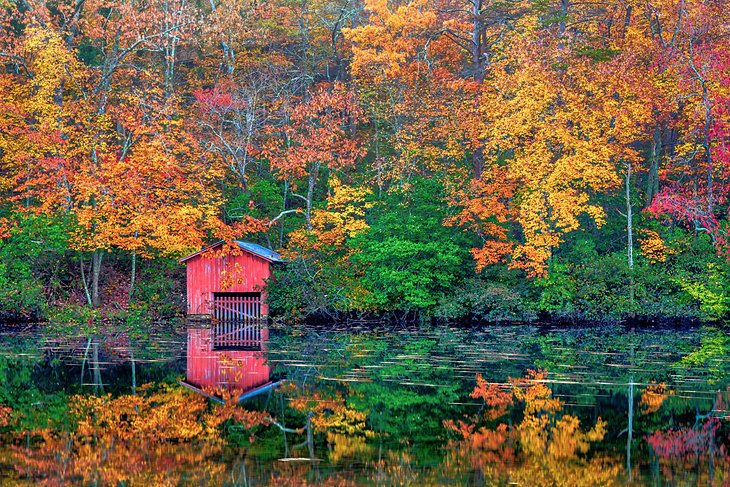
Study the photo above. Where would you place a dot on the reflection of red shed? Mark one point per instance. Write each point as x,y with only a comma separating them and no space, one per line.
228,286
238,370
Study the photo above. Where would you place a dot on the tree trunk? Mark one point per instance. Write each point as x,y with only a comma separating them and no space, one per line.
134,275
707,143
477,66
564,5
96,258
630,236
134,369
629,431
478,162
84,281
629,219
310,436
652,183
98,384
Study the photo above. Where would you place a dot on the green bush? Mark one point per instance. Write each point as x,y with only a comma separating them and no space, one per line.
487,301
408,259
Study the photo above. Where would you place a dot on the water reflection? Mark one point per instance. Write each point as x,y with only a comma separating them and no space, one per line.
227,358
377,406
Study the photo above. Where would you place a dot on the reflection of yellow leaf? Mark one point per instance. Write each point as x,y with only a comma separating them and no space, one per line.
347,446
653,396
545,448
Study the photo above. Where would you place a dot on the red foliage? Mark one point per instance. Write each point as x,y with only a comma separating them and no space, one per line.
687,444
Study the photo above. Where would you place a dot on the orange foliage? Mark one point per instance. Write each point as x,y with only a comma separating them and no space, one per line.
152,438
653,247
653,396
317,135
545,448
5,415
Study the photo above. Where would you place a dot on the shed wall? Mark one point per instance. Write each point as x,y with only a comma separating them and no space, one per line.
241,273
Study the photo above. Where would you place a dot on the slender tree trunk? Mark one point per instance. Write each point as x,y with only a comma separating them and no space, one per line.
310,436
378,161
134,275
564,5
83,362
134,369
707,143
98,384
630,236
96,258
652,183
283,208
477,65
84,281
629,431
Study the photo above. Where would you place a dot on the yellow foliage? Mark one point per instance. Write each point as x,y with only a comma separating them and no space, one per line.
653,396
343,218
344,446
653,247
156,437
545,448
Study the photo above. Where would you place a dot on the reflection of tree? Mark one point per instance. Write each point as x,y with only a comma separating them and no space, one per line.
698,449
653,396
156,437
546,447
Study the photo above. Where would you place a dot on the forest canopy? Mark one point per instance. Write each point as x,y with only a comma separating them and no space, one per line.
499,160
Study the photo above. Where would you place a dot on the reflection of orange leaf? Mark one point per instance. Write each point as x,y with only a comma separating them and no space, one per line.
653,396
493,394
545,448
144,439
533,390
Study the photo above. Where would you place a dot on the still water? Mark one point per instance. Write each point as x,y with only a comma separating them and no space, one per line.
516,405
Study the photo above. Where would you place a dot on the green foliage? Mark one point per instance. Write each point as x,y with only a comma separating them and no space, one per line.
486,301
21,388
598,54
409,260
159,291
31,265
714,347
557,291
298,290
710,290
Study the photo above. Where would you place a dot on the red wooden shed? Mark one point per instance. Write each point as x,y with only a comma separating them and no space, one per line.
228,287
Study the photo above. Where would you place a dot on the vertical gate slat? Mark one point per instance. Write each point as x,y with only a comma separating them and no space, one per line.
242,311
248,312
236,311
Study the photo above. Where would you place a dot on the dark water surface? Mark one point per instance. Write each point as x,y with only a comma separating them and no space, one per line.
515,405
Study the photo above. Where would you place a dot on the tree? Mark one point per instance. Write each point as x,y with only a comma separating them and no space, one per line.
95,134
316,139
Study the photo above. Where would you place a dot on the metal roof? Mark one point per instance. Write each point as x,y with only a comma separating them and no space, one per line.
261,251
253,248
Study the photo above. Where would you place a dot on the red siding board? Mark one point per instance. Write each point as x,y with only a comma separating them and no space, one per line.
205,275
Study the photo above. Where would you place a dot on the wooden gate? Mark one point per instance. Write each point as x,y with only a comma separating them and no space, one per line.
237,321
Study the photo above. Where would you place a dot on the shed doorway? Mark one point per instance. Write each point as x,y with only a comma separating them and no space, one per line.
237,321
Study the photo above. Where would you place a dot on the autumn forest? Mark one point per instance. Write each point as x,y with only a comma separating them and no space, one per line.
503,161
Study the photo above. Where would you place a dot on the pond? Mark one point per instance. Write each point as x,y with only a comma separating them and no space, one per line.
516,405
